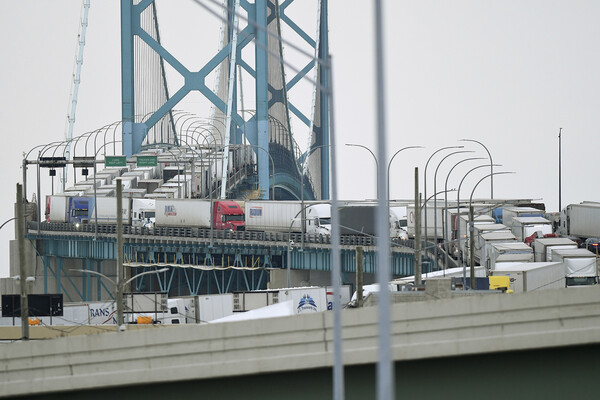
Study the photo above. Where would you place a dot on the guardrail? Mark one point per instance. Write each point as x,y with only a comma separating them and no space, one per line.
202,233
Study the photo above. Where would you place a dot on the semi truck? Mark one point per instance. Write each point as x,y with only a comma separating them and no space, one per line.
360,219
527,277
68,209
580,220
284,216
197,213
135,211
579,264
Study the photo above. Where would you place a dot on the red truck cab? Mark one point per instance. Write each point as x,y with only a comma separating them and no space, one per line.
229,215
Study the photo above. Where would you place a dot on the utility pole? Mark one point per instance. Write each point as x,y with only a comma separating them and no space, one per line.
119,298
559,170
417,230
472,245
22,272
359,275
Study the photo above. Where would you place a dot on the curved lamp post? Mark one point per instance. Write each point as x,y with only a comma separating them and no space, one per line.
435,203
390,164
471,229
446,236
374,158
491,164
458,236
425,185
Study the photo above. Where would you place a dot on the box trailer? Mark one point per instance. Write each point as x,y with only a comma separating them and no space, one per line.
527,277
524,227
580,266
581,220
543,247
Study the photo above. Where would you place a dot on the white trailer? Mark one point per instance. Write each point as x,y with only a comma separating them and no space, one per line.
581,220
543,247
183,212
508,213
580,265
107,210
305,300
502,253
523,227
56,208
345,295
431,212
283,216
532,276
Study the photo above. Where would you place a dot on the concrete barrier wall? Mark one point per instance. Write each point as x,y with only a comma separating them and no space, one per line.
431,329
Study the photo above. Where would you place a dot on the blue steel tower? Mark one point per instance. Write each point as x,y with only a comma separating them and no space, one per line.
147,116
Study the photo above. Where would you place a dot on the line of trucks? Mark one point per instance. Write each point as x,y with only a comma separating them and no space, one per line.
156,308
257,215
521,242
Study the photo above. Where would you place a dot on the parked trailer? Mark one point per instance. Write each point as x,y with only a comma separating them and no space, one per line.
508,213
524,227
527,277
497,253
543,247
581,220
580,266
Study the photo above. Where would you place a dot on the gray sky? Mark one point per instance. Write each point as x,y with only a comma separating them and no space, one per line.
507,73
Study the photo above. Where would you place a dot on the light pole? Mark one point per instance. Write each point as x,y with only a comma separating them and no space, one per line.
560,170
471,229
425,186
491,164
374,158
446,235
458,237
435,251
390,164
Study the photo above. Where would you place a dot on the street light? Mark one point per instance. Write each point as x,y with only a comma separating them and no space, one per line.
471,229
448,237
458,237
120,285
435,203
390,164
374,157
491,164
425,184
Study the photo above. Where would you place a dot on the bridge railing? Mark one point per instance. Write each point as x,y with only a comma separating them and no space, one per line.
201,233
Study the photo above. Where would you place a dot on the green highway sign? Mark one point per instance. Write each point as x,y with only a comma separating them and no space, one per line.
147,161
115,161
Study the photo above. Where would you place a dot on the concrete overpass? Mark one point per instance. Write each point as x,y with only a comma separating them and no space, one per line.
534,345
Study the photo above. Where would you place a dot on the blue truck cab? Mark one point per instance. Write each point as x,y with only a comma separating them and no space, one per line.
78,210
